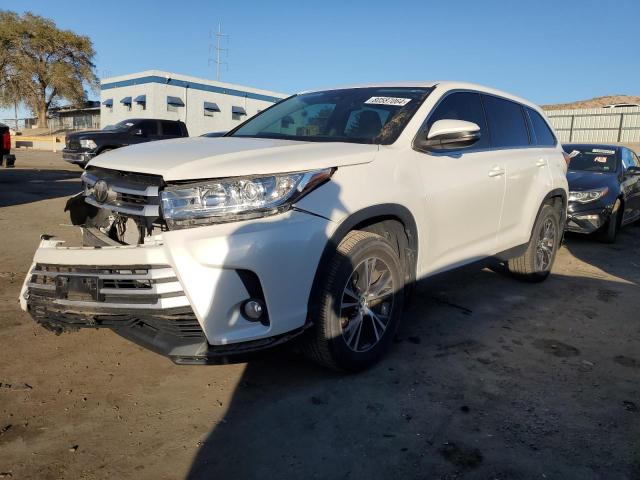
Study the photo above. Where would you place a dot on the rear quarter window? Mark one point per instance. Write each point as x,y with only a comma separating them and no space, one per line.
171,129
506,120
543,134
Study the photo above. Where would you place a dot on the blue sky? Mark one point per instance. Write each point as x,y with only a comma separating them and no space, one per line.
546,51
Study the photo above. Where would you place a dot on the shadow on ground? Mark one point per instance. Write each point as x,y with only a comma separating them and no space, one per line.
621,259
20,186
488,378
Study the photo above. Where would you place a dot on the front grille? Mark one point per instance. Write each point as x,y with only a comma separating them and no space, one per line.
73,144
131,198
148,296
133,287
178,322
128,193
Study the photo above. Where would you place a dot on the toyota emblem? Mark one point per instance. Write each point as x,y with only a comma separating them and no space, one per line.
101,191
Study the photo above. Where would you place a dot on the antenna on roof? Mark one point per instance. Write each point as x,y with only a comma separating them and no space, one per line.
218,49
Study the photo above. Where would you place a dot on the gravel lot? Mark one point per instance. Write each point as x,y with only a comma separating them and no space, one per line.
489,378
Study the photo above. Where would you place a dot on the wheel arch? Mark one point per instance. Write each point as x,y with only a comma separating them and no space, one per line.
560,194
392,221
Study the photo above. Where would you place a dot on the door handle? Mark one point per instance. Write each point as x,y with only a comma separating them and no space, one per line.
541,163
496,171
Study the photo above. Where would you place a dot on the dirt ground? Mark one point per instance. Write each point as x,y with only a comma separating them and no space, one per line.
489,378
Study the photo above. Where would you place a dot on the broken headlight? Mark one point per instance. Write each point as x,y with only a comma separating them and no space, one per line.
232,199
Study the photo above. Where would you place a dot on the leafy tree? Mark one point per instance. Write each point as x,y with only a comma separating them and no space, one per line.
43,64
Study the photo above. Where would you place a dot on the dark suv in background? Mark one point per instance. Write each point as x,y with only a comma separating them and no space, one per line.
80,147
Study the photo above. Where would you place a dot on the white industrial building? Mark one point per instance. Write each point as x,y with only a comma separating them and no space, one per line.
204,105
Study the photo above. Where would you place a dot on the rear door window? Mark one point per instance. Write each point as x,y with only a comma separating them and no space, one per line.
148,127
506,122
543,134
171,129
462,106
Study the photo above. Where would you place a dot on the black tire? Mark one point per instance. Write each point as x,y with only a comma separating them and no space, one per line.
526,267
609,232
327,341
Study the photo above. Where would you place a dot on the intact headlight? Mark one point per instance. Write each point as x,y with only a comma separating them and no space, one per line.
236,198
586,196
87,143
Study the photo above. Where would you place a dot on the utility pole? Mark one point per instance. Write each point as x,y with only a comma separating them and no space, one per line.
219,36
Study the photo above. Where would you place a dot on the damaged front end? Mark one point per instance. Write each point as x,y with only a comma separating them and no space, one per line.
119,278
181,292
116,208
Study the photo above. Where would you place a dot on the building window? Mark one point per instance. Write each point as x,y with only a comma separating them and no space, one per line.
237,113
126,101
109,104
174,103
141,102
210,109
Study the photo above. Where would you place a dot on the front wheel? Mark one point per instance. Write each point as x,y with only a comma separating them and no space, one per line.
536,262
360,304
610,231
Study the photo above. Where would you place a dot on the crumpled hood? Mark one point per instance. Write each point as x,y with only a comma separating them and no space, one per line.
201,157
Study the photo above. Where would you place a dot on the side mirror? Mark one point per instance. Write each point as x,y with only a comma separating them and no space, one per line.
450,135
632,171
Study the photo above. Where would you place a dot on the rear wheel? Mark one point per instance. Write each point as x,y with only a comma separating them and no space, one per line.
536,262
359,306
610,231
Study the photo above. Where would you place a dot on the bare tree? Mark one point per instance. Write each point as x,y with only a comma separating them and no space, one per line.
44,64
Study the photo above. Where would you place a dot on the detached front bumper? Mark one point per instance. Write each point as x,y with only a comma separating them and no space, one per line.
182,296
587,221
76,156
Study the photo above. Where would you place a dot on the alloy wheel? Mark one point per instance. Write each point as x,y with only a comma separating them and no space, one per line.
545,245
367,304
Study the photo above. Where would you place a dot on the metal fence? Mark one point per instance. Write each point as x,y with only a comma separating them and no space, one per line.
75,122
83,121
597,125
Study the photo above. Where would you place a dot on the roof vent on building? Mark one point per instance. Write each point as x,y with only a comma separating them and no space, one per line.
238,110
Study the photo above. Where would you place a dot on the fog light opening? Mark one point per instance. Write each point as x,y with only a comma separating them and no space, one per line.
253,309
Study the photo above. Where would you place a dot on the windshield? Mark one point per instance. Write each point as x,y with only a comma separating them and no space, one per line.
591,159
123,125
356,115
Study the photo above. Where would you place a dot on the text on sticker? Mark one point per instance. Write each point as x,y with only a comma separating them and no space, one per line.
600,150
394,101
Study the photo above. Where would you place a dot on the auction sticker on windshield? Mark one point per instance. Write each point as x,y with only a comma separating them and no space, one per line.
394,101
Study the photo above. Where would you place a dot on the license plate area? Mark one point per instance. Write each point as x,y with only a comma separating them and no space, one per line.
78,288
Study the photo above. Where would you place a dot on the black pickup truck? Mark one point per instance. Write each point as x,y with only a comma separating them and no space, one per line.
80,147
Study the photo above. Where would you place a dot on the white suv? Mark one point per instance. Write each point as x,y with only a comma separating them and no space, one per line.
312,218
